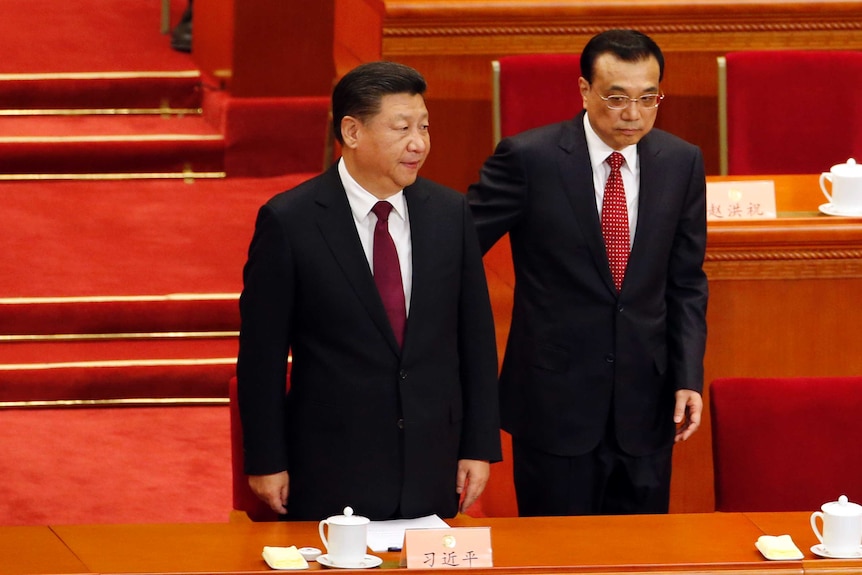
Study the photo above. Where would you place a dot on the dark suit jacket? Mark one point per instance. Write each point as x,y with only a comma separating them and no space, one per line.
364,423
577,352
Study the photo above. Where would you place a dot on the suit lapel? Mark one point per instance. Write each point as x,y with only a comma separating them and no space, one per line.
649,198
422,233
335,221
577,175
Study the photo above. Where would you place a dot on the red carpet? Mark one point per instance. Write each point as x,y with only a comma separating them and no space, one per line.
130,257
109,144
120,238
110,56
87,36
121,465
132,264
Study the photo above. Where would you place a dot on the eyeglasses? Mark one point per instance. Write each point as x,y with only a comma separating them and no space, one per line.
645,102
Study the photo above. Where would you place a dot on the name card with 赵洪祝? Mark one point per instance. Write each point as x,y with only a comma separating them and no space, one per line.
457,547
740,200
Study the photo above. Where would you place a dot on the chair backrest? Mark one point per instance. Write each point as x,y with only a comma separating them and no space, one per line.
532,90
243,497
786,444
788,111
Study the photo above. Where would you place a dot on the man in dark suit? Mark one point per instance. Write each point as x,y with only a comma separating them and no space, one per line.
602,371
392,407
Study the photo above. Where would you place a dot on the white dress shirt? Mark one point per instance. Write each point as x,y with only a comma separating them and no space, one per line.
361,201
630,171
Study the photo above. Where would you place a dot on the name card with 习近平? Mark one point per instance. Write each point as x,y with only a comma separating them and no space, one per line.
457,547
740,200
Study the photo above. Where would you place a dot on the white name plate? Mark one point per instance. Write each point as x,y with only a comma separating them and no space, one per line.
740,200
457,547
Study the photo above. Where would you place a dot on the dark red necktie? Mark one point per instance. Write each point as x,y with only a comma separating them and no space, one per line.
615,221
387,271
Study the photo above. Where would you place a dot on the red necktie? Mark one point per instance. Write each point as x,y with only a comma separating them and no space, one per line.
387,271
615,221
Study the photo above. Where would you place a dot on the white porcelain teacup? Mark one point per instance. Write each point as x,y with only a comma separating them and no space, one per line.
846,183
346,538
842,527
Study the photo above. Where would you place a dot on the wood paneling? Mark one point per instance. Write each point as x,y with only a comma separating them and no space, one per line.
453,42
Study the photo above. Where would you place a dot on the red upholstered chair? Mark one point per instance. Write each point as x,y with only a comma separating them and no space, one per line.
789,111
244,500
532,90
529,91
786,444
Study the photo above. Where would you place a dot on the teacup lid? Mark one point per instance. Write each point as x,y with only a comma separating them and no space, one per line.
348,518
849,169
842,507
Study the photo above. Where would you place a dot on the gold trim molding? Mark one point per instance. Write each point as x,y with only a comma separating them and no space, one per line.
166,335
154,74
125,402
785,255
119,298
651,29
188,176
784,265
113,363
647,29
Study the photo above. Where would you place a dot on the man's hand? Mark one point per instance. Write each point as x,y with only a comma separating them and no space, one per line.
271,489
472,477
686,414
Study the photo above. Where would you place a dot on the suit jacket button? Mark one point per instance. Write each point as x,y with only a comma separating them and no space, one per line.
610,358
402,375
400,424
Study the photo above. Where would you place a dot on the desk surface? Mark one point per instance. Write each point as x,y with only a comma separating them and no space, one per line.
702,543
36,551
797,195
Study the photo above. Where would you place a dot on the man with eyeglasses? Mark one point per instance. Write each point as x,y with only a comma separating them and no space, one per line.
606,216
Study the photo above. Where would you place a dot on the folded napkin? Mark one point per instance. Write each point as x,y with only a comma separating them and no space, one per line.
778,548
284,558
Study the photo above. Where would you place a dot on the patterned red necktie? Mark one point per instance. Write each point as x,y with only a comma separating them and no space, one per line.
387,271
615,221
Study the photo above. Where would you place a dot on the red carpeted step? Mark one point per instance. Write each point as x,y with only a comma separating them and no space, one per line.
180,89
122,314
109,144
127,256
88,35
147,370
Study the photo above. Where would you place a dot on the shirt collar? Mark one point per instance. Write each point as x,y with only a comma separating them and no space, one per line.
599,151
361,200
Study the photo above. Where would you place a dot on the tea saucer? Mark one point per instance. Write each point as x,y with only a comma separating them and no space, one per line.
366,562
833,210
821,551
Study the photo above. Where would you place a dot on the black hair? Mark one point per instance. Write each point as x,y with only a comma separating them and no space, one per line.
627,45
359,92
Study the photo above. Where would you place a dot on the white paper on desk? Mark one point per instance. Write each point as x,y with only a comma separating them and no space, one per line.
383,535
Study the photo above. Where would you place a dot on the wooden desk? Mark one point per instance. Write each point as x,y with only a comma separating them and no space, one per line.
35,551
702,543
182,548
796,524
783,302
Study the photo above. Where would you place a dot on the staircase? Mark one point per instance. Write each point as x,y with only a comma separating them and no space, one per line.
106,126
129,201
